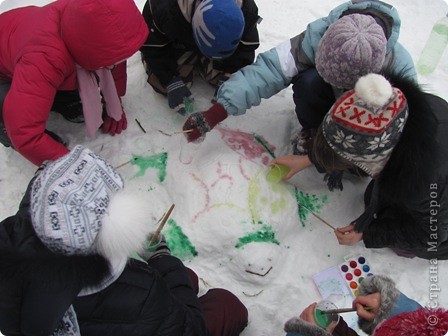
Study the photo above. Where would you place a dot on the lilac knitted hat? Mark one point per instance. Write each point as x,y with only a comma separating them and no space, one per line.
353,46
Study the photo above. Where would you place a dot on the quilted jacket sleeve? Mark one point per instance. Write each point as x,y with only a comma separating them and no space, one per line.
27,106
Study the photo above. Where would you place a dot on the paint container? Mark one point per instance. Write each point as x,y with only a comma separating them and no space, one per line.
151,248
277,172
325,320
188,150
189,105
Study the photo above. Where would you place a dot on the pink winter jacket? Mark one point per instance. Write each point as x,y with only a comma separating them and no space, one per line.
39,47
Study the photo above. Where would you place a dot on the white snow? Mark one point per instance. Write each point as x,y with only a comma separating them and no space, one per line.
222,194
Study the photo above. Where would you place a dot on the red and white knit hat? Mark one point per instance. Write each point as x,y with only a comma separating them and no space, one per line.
366,123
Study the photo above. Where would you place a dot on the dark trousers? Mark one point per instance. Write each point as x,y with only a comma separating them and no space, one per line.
187,62
63,99
225,314
313,98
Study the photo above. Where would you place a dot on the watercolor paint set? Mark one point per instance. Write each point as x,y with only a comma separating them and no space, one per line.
340,285
343,279
354,270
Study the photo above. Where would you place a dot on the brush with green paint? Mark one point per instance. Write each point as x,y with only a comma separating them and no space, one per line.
318,217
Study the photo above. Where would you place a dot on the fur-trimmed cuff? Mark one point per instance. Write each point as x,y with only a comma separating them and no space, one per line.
304,328
389,295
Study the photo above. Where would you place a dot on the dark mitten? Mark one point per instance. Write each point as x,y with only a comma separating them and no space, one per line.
334,180
177,94
221,81
199,123
113,127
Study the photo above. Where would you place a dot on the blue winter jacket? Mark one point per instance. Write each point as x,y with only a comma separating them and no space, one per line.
277,68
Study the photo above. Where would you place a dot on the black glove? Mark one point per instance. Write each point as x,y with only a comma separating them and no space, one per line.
177,94
334,180
221,81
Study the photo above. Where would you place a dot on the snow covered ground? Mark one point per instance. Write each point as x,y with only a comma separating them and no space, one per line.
230,225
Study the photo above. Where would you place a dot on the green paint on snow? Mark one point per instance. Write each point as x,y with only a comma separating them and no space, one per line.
307,202
157,161
266,235
260,140
179,244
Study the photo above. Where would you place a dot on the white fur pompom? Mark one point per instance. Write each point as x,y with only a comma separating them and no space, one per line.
125,225
373,89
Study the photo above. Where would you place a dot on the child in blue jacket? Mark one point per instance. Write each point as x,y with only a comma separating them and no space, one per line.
356,38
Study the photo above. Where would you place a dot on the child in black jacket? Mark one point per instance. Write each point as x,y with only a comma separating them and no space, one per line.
218,36
66,271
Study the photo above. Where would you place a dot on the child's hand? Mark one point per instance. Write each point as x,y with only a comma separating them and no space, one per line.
113,127
308,313
295,162
347,235
199,123
367,307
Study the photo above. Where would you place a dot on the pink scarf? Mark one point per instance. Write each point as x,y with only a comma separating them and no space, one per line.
90,83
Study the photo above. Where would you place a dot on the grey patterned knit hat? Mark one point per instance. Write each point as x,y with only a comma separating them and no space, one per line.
69,198
366,123
79,207
353,46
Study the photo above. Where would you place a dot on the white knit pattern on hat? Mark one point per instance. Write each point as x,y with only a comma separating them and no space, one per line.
69,198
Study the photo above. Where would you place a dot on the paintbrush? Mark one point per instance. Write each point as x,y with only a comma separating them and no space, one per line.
123,164
342,310
161,225
183,132
321,219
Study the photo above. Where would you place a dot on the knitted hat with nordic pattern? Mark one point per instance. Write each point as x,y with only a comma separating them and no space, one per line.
366,123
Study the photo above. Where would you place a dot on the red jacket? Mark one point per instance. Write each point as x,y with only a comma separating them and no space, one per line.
39,47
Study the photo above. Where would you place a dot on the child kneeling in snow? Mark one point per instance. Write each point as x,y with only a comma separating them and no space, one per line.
398,136
356,38
66,271
57,58
383,311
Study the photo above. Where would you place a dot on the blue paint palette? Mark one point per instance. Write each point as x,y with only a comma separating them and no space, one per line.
354,270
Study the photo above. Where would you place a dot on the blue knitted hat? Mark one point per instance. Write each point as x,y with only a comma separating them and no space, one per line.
217,27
